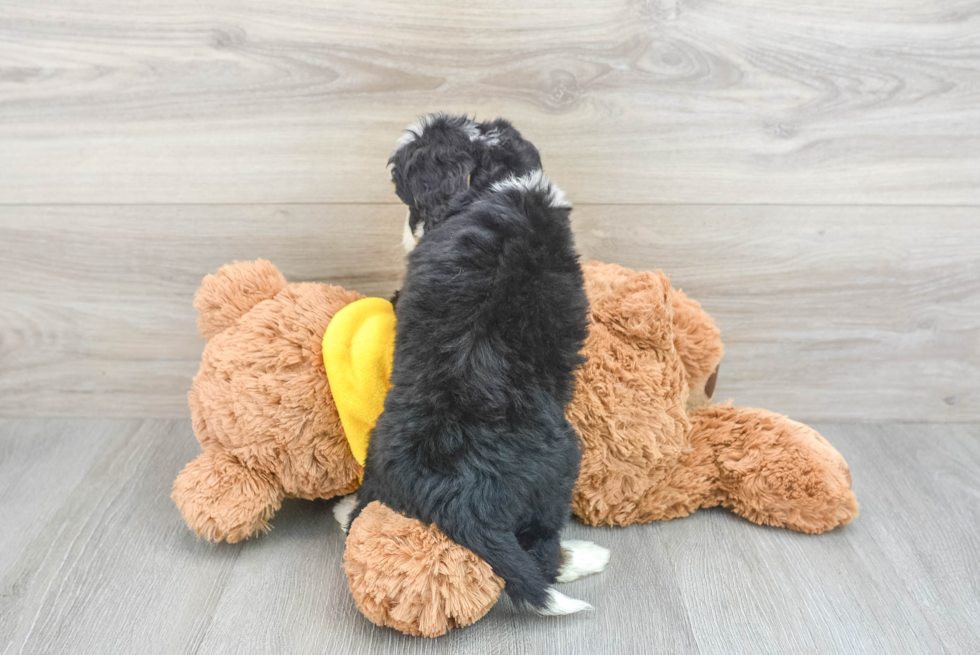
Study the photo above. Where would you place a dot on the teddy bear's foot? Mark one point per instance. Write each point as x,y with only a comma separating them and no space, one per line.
774,471
411,577
222,499
581,558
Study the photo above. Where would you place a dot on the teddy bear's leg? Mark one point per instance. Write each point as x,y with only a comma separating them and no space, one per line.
411,577
222,499
772,470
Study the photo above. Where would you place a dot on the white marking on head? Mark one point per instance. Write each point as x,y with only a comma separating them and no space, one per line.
535,181
472,131
415,131
342,510
558,604
490,139
582,558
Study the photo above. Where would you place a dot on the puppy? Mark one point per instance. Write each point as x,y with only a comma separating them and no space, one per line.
491,319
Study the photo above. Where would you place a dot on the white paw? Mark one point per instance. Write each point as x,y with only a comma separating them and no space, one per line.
582,558
559,604
343,508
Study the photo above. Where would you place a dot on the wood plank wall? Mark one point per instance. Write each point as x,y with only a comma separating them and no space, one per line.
810,171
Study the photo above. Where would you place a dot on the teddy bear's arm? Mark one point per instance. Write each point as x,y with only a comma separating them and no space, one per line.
222,499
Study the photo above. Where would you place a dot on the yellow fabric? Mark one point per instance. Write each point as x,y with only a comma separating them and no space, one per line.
358,350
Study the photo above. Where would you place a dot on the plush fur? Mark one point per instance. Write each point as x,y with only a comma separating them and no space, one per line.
473,437
261,404
428,584
651,453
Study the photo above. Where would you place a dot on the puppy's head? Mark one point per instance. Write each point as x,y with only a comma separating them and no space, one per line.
443,163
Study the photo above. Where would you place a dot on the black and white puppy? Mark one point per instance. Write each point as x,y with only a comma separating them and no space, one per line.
491,319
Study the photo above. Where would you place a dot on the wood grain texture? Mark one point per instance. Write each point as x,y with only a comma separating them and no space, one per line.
654,101
95,304
828,313
97,560
932,484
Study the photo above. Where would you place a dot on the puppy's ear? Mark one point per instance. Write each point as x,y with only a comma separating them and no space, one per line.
433,164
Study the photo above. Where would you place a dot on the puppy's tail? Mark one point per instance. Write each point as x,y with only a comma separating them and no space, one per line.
524,582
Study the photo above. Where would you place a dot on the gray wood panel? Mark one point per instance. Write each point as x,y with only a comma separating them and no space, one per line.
95,559
660,101
95,303
828,313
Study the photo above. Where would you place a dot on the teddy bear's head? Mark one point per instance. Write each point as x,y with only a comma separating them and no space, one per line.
650,356
261,393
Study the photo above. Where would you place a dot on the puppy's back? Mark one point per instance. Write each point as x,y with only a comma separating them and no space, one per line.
494,297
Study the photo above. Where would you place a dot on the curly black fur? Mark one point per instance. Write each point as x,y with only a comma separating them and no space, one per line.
491,319
446,162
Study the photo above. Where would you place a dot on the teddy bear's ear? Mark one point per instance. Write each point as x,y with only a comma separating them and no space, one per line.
634,304
225,296
698,342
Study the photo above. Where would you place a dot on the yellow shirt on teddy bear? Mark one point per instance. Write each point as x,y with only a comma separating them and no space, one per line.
358,351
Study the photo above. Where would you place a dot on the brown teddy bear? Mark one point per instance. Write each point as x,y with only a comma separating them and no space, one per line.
653,446
260,403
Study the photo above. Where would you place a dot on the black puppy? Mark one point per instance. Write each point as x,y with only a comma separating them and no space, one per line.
491,319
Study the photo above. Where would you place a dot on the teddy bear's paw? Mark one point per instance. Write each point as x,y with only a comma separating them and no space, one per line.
581,558
558,604
221,498
410,576
342,510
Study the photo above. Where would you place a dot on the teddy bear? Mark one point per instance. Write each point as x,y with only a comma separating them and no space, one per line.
274,420
653,445
261,405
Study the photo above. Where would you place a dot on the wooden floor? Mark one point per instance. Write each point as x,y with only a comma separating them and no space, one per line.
96,559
